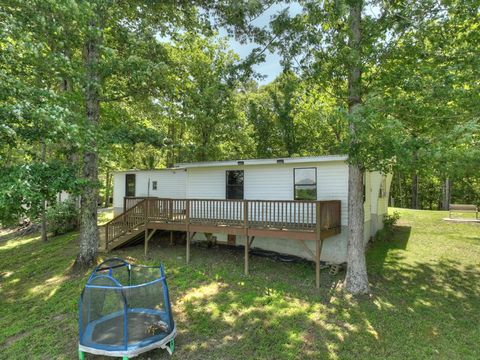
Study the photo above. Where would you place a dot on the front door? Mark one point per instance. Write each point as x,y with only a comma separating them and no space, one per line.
130,185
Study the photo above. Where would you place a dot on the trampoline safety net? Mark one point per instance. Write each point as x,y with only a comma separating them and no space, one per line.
124,307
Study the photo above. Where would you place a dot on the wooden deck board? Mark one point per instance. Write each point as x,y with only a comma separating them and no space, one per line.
296,220
261,218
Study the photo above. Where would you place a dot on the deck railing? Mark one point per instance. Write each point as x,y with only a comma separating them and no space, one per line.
126,221
131,201
259,214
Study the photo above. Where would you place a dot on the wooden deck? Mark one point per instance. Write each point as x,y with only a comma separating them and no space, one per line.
296,220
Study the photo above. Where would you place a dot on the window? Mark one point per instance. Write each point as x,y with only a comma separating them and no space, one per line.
154,185
130,185
234,184
305,183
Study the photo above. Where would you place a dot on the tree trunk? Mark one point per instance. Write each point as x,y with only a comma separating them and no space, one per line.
400,192
44,201
446,194
171,150
88,217
356,280
415,191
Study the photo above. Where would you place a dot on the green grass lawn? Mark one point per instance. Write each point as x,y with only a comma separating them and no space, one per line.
425,300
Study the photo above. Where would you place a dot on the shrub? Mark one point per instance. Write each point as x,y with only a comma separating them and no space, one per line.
389,222
62,217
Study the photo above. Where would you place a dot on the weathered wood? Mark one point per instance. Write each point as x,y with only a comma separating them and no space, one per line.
286,219
465,208
147,238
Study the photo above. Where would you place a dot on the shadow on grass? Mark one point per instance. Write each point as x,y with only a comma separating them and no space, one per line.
417,310
383,252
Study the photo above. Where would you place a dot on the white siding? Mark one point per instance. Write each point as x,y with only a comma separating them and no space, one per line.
270,182
379,205
206,183
170,184
368,197
376,180
118,189
383,202
333,185
265,182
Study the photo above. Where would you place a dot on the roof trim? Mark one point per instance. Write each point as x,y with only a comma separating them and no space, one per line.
145,170
273,161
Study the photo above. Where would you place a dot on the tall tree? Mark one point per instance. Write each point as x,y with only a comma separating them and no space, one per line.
349,47
356,280
93,82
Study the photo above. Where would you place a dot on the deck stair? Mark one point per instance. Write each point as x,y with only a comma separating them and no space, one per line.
124,228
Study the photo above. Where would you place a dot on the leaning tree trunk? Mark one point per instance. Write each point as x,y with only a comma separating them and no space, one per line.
88,218
356,280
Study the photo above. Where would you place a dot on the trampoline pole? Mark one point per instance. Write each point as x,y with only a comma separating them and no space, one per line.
81,355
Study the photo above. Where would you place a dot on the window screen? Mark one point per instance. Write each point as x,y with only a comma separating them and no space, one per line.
154,185
234,184
305,183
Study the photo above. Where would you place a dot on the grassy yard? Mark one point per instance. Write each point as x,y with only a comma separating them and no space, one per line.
425,300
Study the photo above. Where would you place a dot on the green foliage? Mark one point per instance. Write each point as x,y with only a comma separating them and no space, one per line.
23,189
172,91
62,217
389,222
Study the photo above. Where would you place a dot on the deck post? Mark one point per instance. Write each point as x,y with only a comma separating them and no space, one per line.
170,210
145,210
318,243
247,238
187,219
146,241
106,238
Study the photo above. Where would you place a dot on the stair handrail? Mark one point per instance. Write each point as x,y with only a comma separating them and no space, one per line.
110,236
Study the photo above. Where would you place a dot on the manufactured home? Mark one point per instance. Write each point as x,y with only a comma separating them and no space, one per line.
294,206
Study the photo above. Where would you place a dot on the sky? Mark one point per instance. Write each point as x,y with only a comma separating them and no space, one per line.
271,67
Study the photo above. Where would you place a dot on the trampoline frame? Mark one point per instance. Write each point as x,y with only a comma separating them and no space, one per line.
126,350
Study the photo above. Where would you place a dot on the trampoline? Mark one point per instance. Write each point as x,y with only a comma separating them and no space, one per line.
125,310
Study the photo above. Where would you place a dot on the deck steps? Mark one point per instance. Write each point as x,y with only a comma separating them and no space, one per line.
127,237
124,239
